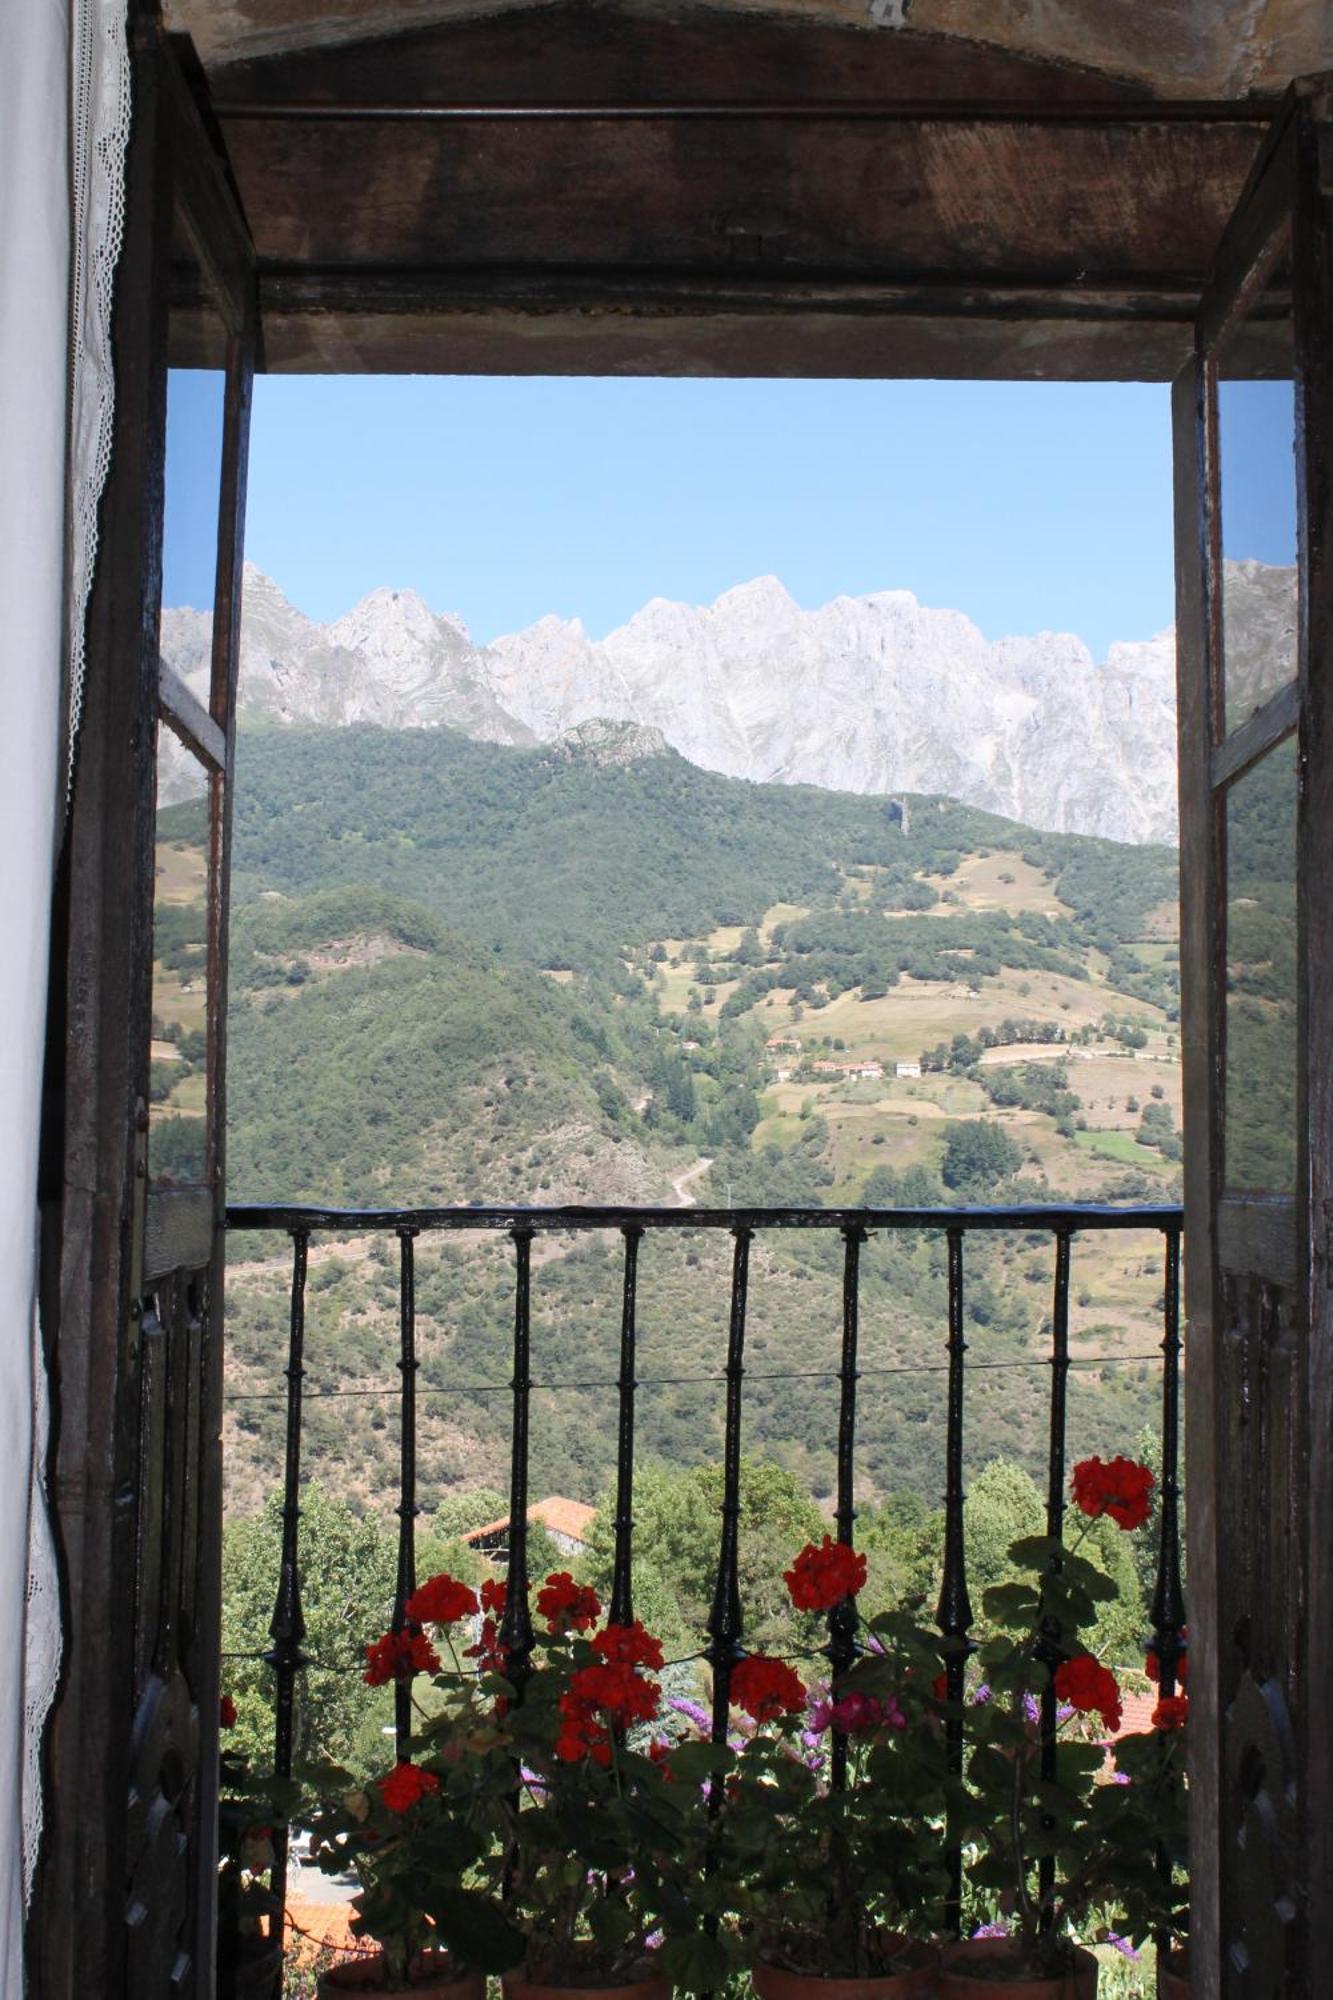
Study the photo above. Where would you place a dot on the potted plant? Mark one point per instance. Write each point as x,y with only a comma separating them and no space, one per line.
591,1872
421,1838
1154,1881
835,1880
1086,1829
249,1935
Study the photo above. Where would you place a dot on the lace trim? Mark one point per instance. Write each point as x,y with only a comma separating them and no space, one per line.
99,134
100,120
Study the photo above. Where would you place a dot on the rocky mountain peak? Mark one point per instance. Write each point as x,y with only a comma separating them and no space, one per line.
878,694
604,743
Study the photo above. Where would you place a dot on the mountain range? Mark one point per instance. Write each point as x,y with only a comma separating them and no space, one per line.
875,694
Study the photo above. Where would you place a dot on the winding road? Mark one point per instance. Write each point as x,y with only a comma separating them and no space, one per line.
681,1182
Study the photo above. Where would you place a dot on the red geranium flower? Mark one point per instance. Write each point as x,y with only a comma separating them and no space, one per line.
766,1689
581,1734
618,1690
442,1600
567,1606
490,1655
227,1712
660,1752
494,1596
405,1784
1152,1666
398,1655
1087,1686
1171,1712
1120,1487
629,1645
822,1576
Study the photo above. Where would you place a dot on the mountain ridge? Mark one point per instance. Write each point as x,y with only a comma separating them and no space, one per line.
875,694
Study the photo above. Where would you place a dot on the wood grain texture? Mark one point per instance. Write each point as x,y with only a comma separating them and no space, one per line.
1200,1069
125,1900
554,246
1314,331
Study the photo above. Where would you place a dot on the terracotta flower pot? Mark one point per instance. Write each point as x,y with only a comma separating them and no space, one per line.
974,1969
430,1977
1173,1976
517,1986
915,1979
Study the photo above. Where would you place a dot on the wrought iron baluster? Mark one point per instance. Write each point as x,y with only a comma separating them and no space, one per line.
725,1620
622,1575
843,1618
516,1625
1050,1643
1168,1604
954,1614
286,1655
407,1477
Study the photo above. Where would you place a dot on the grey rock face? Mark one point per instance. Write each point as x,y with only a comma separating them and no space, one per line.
876,694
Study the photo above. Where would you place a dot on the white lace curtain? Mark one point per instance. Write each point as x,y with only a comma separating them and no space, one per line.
64,114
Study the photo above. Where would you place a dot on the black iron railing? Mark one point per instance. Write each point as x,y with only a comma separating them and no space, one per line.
725,1625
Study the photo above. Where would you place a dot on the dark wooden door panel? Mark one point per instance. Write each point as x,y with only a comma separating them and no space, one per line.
1254,456
126,1901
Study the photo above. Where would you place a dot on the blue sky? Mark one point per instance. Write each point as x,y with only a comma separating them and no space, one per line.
1029,506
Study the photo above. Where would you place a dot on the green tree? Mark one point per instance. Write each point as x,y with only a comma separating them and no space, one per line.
1004,1503
677,1527
348,1570
977,1153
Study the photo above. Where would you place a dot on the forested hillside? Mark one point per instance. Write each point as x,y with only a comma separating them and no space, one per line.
592,972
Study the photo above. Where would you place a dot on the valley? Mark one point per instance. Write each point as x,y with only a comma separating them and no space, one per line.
451,982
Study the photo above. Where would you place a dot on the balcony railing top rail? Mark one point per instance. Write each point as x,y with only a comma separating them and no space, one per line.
1054,1217
726,1621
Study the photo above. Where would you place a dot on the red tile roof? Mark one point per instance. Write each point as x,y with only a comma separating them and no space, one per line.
561,1516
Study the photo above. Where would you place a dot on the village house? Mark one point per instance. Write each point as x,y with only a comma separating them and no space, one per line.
565,1521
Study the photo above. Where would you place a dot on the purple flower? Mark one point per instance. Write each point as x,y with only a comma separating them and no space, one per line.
982,1695
992,1930
1123,1946
692,1711
822,1713
1031,1708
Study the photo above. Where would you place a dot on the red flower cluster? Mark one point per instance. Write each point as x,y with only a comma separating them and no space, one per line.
405,1784
397,1656
492,1657
1171,1712
1152,1666
628,1645
227,1712
822,1576
1087,1686
582,1733
567,1606
766,1689
442,1600
1119,1487
618,1691
609,1695
659,1750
